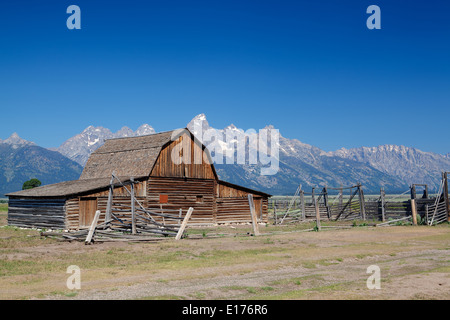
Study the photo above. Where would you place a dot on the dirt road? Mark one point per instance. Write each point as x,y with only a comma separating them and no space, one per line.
414,263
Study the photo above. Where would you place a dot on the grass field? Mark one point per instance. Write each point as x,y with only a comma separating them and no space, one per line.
284,263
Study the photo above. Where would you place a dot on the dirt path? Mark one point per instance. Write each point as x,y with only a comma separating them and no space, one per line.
414,264
343,280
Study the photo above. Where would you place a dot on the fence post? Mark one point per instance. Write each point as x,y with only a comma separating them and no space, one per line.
361,202
317,215
302,200
133,211
184,223
325,200
275,215
383,204
253,214
445,191
414,211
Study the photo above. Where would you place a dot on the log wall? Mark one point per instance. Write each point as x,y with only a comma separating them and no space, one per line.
36,213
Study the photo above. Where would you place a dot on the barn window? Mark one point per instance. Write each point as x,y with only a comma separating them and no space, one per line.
199,199
163,198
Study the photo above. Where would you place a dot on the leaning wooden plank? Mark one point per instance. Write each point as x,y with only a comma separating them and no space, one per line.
392,221
92,228
253,214
184,223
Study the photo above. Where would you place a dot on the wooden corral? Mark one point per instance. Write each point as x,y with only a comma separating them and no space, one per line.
169,171
350,204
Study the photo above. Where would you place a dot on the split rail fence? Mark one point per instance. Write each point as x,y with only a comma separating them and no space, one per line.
350,203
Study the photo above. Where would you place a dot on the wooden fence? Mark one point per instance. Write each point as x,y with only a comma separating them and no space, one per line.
350,204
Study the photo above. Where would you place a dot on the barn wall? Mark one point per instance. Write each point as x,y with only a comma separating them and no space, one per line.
121,197
189,167
233,206
183,193
37,213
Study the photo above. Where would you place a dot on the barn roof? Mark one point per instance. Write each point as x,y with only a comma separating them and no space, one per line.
130,156
125,157
69,188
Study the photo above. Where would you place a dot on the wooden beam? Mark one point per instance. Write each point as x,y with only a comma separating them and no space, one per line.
346,205
133,211
254,217
110,199
325,200
445,191
317,215
383,205
362,205
302,200
92,227
184,224
414,211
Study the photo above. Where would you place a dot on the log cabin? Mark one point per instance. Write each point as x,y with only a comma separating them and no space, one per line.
169,171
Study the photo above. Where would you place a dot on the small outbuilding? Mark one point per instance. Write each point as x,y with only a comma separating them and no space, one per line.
167,172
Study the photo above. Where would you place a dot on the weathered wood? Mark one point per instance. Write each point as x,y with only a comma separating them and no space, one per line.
92,228
414,211
302,200
317,216
325,201
361,202
184,223
446,198
110,198
392,221
133,211
253,215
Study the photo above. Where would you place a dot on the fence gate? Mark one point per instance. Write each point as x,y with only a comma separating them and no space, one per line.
349,204
437,212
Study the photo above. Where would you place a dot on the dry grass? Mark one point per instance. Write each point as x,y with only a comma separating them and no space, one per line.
282,264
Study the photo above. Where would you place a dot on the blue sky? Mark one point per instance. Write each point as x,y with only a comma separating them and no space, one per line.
310,68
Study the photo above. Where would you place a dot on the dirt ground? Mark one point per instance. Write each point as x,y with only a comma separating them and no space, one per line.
414,263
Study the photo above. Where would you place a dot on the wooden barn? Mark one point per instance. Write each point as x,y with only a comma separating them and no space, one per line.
167,172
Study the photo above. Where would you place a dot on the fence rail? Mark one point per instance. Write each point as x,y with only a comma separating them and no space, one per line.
350,204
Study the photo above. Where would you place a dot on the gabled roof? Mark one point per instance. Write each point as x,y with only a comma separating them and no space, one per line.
131,156
69,188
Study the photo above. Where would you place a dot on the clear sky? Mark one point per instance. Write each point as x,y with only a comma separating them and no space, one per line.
310,68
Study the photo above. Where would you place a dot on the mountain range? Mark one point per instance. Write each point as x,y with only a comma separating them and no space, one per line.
22,160
389,166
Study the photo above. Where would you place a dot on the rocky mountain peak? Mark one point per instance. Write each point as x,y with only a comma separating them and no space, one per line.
15,141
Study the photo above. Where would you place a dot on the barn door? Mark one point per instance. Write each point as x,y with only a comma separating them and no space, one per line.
88,206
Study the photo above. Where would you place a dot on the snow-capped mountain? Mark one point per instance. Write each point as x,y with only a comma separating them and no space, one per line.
391,167
406,163
79,147
16,142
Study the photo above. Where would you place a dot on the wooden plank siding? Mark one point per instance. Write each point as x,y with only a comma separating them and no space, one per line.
183,193
190,152
36,213
72,208
232,205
